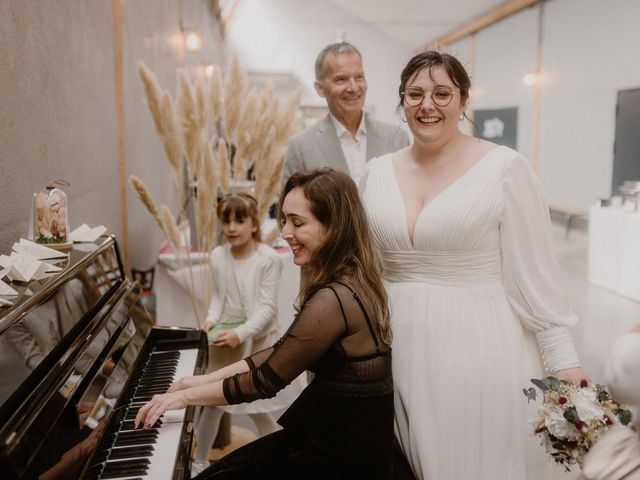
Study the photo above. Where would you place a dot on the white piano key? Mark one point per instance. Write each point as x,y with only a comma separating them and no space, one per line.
166,444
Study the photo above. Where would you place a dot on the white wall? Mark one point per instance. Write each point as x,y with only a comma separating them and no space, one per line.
594,51
498,68
287,35
590,51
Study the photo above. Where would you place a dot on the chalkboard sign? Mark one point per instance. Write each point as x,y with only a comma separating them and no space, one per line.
498,125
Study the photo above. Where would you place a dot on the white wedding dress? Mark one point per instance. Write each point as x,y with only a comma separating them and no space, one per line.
468,295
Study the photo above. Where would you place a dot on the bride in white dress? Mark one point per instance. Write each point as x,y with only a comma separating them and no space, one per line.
476,305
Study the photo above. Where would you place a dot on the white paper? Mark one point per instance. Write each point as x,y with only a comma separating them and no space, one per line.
5,303
24,268
6,290
39,252
46,270
84,233
21,267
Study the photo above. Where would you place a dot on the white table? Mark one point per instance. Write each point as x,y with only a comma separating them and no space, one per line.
173,304
614,250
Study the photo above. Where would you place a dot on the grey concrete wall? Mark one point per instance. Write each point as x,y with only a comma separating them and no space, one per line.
58,113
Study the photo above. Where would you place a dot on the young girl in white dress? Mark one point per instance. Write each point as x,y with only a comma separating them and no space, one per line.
242,314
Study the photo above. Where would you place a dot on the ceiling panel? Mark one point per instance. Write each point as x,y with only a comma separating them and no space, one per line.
416,23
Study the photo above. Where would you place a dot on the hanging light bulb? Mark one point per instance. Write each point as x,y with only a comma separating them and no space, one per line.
530,78
192,40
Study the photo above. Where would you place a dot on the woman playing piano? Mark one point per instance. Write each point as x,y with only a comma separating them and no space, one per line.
341,426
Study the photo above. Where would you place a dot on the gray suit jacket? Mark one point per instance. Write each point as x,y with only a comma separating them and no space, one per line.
318,146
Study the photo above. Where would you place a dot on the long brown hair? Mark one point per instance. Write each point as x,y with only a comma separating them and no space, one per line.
348,249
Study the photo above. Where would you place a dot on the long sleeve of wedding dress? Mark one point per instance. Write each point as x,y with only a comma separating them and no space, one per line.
530,270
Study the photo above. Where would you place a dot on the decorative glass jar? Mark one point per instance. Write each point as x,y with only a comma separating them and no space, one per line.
51,224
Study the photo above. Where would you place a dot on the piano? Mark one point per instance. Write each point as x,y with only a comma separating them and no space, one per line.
78,356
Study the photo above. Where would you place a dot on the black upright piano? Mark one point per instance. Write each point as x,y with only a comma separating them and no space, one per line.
78,356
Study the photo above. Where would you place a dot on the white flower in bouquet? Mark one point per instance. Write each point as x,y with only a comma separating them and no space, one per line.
587,406
573,417
559,427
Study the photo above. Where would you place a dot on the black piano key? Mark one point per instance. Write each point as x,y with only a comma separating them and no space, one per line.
161,377
158,388
159,353
131,452
157,382
124,464
128,425
160,367
134,441
146,398
137,433
124,473
156,379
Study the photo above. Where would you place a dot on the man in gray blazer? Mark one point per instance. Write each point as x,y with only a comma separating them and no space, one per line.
346,138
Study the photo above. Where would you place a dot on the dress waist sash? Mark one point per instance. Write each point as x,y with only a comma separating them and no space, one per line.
455,268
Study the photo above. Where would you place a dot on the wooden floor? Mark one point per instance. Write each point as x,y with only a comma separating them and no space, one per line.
239,437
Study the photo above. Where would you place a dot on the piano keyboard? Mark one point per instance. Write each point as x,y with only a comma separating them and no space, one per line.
145,454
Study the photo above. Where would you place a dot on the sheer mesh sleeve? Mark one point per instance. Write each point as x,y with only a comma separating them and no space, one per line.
320,324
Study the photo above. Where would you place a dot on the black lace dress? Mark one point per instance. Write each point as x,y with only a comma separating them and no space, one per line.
341,426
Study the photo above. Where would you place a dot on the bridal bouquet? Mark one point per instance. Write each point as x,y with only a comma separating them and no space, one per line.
572,417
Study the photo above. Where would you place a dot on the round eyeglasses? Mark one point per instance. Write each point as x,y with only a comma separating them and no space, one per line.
440,96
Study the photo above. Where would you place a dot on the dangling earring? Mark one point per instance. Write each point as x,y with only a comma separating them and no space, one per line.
404,119
461,117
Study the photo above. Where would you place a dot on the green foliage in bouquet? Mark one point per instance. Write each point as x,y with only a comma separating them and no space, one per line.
572,417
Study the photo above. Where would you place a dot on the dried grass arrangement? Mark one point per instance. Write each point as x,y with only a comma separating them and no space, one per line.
215,137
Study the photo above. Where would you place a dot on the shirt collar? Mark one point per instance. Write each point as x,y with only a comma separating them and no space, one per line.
341,130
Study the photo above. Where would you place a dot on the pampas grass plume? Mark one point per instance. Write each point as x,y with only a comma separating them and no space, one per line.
153,93
170,227
201,105
189,119
224,167
171,136
234,86
215,94
145,197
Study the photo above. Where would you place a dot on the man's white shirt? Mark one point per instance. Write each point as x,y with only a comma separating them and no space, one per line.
354,149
